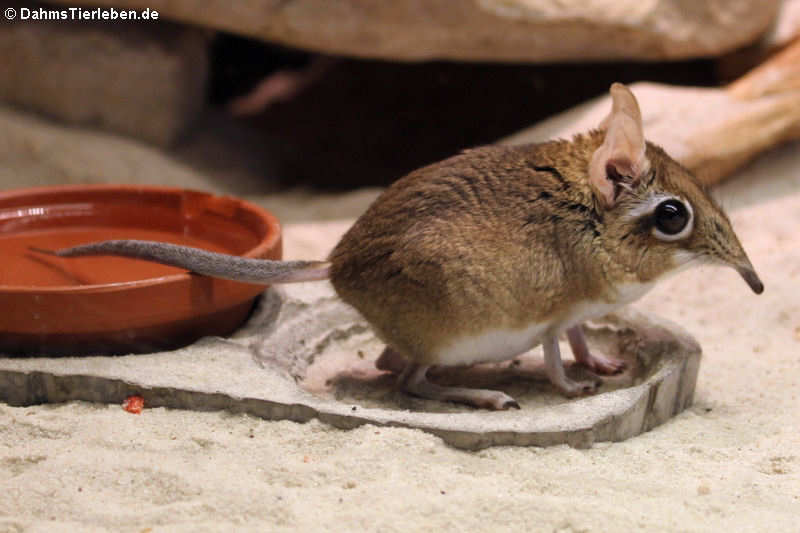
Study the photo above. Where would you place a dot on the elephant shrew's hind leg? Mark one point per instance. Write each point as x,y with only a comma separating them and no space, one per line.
414,381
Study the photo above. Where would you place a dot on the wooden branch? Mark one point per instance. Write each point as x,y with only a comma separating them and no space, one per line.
713,131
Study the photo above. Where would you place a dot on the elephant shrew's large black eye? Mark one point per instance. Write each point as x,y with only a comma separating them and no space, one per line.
671,216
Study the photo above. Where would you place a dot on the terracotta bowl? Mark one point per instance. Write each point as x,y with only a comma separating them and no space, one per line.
112,305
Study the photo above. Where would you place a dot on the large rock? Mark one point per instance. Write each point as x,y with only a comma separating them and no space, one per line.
786,27
146,81
492,30
783,31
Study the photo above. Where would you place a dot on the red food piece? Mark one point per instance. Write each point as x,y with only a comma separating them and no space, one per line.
133,404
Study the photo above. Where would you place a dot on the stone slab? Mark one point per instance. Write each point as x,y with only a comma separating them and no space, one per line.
147,81
306,355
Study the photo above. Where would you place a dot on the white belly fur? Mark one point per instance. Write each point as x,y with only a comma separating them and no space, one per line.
501,344
490,346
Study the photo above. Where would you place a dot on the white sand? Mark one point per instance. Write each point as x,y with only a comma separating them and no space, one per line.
731,462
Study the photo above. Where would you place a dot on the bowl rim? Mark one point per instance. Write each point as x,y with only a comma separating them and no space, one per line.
270,239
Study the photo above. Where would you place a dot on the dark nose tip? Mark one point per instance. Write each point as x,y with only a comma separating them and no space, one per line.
752,279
